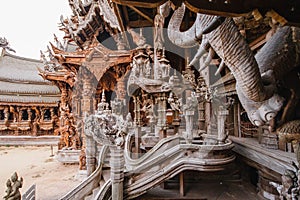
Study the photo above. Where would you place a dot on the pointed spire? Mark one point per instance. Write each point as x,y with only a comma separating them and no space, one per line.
103,99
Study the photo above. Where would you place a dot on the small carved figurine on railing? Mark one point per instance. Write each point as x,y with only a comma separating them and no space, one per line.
290,188
13,185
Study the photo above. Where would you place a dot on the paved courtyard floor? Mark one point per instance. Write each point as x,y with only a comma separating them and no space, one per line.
36,165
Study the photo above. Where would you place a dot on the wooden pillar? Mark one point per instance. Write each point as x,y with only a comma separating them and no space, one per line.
117,163
137,128
236,123
222,114
201,111
87,97
239,119
90,153
161,112
29,112
181,184
84,109
121,90
208,116
137,141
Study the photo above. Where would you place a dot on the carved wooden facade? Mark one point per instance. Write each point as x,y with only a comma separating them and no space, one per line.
171,97
28,104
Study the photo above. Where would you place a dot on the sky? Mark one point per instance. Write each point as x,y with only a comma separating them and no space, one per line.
29,25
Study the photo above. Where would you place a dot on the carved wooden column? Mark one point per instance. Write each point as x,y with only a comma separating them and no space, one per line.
189,114
236,119
63,106
90,153
137,127
201,111
29,112
222,115
87,97
117,163
121,90
6,115
87,107
21,112
208,117
17,118
135,110
161,112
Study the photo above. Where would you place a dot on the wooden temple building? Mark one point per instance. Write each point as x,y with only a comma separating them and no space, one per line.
28,103
156,93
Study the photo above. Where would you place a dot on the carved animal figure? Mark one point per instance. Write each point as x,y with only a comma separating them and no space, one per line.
256,77
289,132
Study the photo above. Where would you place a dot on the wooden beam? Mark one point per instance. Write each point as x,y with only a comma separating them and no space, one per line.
139,23
181,184
141,13
125,12
258,42
120,19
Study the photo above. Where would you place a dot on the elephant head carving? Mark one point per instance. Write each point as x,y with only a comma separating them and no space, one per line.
255,76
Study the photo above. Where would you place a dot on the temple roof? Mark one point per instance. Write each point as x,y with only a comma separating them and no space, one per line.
28,100
18,69
27,88
89,20
21,83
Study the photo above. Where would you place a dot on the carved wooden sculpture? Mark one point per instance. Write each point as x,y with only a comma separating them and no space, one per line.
289,133
260,100
5,45
13,185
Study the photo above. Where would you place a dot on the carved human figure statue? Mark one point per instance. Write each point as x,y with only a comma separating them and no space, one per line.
158,31
188,111
174,102
8,189
13,186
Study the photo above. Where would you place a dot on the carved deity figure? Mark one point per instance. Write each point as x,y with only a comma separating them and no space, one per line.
174,102
148,108
15,113
188,111
71,139
123,129
6,115
13,186
141,64
158,31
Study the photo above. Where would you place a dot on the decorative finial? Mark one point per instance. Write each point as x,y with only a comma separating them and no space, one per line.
103,99
5,45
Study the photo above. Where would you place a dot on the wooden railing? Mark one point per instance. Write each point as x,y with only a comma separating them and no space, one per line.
30,193
87,186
